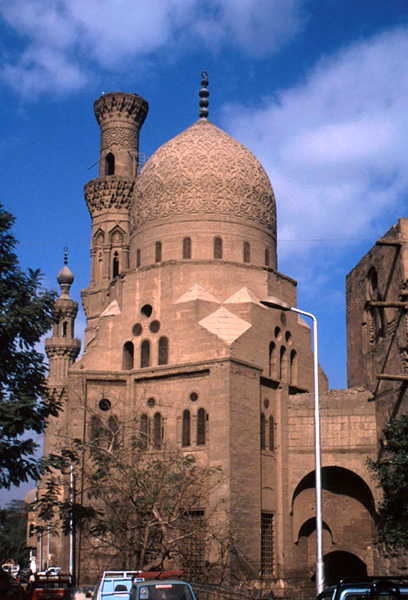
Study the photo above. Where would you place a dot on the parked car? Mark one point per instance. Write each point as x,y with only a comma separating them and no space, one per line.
367,588
47,587
159,589
114,585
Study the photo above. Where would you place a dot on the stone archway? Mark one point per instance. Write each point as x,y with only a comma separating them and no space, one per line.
348,521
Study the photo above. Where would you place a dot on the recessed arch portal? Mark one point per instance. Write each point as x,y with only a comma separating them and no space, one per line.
339,481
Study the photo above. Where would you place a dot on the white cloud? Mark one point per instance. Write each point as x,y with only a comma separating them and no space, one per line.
335,147
111,33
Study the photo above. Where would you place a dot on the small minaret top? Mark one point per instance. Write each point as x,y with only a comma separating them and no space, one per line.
65,277
204,93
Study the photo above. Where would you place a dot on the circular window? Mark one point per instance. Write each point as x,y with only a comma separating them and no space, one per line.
288,338
151,402
278,333
104,404
193,396
266,403
146,310
137,329
154,326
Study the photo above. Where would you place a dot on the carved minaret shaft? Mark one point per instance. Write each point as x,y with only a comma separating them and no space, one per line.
120,117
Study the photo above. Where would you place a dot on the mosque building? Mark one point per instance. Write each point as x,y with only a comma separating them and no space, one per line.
183,251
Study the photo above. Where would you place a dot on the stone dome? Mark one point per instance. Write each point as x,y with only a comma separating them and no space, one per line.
204,171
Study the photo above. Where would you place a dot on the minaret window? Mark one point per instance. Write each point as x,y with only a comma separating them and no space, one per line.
157,431
138,258
115,265
293,368
263,432
272,360
158,252
217,247
163,357
187,248
64,329
283,364
110,164
271,434
144,431
127,359
267,259
201,422
247,252
145,354
185,437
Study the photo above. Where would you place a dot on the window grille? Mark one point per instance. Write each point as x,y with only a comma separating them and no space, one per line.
267,544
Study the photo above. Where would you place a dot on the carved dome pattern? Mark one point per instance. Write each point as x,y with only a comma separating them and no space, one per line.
204,171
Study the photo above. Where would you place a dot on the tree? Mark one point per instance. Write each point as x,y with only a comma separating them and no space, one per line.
26,314
391,473
13,533
139,508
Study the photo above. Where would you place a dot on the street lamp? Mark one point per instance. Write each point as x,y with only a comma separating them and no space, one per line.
273,302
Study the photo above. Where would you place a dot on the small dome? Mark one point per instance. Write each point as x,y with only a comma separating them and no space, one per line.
204,171
65,276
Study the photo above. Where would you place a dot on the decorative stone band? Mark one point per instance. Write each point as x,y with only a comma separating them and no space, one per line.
55,350
66,312
119,106
108,192
121,137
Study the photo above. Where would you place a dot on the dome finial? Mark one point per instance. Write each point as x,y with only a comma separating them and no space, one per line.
204,93
65,255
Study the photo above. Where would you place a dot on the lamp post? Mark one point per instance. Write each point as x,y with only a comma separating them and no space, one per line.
272,302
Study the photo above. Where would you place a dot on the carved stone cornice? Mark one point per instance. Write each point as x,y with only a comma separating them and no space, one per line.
57,348
105,193
119,106
204,171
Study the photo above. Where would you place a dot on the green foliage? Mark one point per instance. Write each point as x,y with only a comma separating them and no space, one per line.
13,526
391,473
143,510
26,314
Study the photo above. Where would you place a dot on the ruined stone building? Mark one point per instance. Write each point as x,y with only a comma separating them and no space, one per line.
182,252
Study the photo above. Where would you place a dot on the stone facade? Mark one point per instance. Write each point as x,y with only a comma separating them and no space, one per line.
181,256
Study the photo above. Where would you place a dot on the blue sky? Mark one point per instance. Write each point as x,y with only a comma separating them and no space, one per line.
317,90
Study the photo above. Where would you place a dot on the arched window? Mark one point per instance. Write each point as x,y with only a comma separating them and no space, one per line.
185,435
217,247
127,356
138,258
115,264
201,422
267,259
271,433
283,364
97,431
247,252
145,354
110,164
64,329
163,357
113,433
293,375
157,431
144,431
263,432
272,360
158,252
187,248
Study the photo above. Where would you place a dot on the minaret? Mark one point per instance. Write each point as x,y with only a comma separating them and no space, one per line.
120,117
62,348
